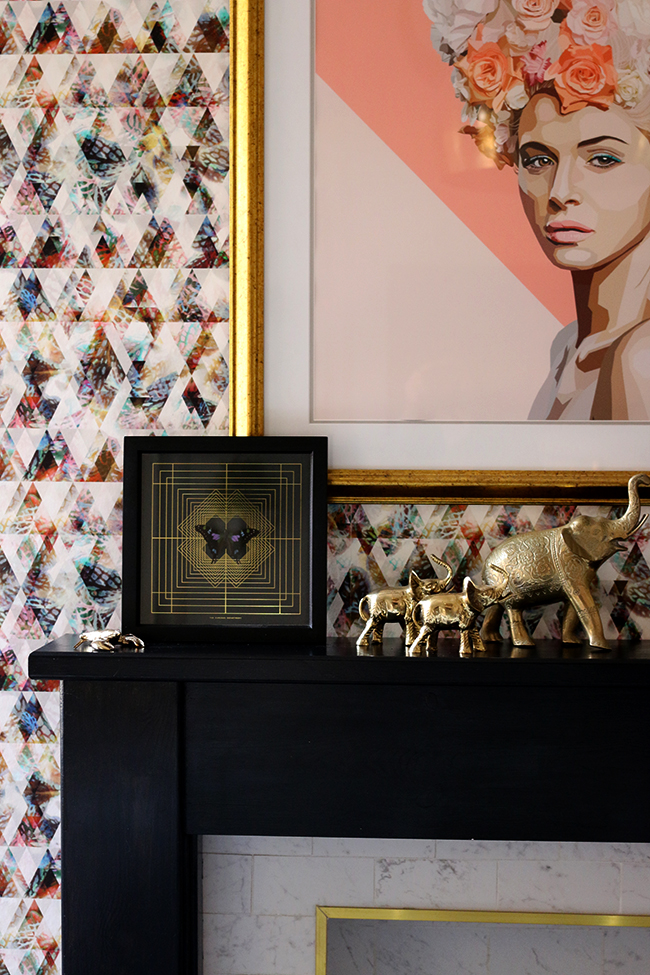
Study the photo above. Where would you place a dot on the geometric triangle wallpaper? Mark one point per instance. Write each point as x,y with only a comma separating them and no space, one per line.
114,152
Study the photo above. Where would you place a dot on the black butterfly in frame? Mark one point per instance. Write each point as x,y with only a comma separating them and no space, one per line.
231,539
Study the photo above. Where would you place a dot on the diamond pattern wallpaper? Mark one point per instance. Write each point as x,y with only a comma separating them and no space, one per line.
113,320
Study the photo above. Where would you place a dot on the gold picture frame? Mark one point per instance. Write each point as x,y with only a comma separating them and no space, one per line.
247,218
478,487
325,914
247,327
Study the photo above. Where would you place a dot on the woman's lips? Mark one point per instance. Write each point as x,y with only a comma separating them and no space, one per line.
567,233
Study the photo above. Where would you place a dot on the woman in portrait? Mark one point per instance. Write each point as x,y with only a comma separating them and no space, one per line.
560,89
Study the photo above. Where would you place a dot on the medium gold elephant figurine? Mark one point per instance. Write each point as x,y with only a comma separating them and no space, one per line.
395,605
457,611
558,564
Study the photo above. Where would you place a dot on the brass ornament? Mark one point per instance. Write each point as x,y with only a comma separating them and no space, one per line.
558,564
396,604
457,611
111,640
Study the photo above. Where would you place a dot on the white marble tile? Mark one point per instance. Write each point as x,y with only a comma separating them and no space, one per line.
295,885
350,947
613,852
531,950
635,888
290,875
460,884
358,846
496,850
227,884
577,886
626,951
284,846
418,947
240,945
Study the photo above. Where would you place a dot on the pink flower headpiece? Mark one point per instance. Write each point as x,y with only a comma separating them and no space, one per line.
590,52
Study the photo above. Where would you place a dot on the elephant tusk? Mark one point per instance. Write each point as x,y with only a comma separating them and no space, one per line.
507,585
641,522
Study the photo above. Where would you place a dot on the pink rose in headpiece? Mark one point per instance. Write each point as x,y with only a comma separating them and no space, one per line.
490,74
584,76
454,22
534,64
592,21
534,15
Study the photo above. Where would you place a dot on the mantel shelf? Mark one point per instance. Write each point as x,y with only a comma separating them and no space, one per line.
338,662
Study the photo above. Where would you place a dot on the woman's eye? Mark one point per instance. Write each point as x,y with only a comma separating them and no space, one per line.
604,160
535,164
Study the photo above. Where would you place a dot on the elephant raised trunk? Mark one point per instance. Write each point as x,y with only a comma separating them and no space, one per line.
629,522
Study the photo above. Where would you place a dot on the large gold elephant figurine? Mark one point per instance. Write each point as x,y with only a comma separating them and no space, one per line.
558,564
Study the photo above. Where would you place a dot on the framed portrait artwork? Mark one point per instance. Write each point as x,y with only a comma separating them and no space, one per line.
224,538
412,308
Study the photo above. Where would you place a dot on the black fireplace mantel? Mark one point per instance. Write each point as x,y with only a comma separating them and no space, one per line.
161,747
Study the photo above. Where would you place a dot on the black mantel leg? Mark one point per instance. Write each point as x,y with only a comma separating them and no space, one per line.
129,882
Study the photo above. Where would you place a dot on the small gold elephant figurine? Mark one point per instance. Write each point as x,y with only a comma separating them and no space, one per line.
395,605
456,611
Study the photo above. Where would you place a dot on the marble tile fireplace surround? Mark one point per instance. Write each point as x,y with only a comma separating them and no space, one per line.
260,892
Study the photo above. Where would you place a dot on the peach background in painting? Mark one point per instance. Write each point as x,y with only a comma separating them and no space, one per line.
415,319
377,56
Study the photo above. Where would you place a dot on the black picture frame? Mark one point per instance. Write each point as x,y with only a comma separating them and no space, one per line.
225,539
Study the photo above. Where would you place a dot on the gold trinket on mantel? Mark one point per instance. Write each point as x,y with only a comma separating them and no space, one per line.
396,604
457,611
111,640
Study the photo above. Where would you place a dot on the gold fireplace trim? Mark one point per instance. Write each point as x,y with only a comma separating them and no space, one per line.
323,914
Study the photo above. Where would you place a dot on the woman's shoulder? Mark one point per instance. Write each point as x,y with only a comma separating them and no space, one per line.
631,373
633,347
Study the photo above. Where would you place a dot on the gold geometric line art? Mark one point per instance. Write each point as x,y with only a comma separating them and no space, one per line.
195,573
225,571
